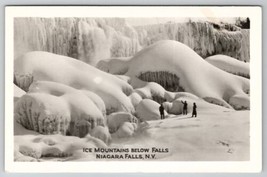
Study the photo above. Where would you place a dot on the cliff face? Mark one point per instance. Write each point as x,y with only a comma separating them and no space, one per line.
94,39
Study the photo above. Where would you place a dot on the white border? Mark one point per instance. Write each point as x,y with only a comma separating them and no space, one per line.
255,15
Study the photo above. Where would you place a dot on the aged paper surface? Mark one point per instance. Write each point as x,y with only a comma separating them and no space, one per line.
133,89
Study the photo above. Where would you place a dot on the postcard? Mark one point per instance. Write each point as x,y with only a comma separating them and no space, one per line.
133,89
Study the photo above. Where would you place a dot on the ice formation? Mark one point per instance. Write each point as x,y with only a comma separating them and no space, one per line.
63,148
44,66
204,38
87,39
94,39
195,75
126,130
148,110
135,98
101,133
114,65
53,108
230,65
115,120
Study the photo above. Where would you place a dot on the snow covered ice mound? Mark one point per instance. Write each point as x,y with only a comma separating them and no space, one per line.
193,74
53,108
115,120
101,133
126,130
148,110
62,148
230,65
44,66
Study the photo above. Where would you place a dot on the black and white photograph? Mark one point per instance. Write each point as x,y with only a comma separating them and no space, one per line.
132,88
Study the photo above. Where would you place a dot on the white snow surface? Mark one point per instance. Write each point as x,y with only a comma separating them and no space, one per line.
188,139
196,139
44,66
229,64
18,92
51,108
126,130
102,133
148,110
54,147
115,120
195,74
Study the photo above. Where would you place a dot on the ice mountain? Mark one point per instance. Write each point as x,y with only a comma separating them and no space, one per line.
230,65
44,66
177,67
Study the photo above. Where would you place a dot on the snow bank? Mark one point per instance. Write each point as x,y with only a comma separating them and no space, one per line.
115,120
114,65
58,147
194,74
171,96
135,98
101,133
52,108
126,130
150,90
240,102
148,110
230,65
45,66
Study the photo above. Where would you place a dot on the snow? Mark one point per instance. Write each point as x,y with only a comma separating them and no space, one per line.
148,110
126,130
240,102
53,147
114,65
150,90
87,39
52,108
66,105
93,39
102,133
202,37
188,139
196,139
115,120
73,73
18,92
201,79
135,98
230,65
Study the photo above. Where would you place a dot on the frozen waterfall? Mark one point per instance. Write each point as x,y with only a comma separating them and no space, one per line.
94,39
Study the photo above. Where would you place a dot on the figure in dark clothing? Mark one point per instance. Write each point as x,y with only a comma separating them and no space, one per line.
184,108
194,110
161,111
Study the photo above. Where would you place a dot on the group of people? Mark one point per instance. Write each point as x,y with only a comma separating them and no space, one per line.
194,113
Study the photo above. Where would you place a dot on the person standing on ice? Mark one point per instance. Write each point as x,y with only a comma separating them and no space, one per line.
184,108
161,111
194,110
